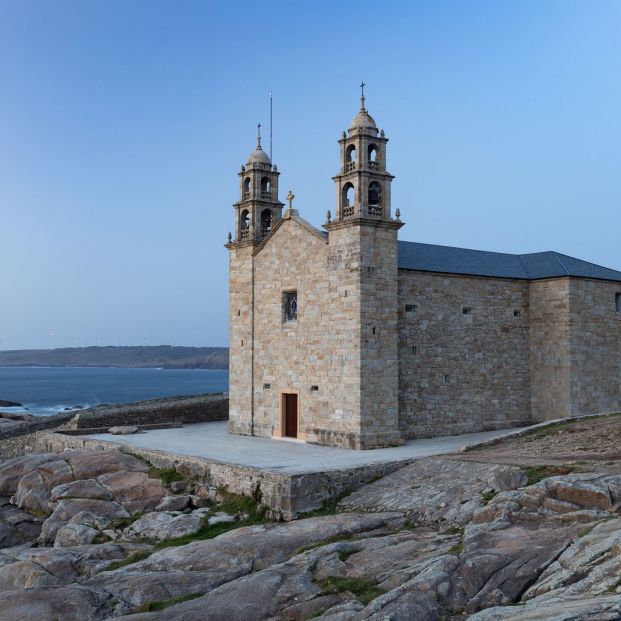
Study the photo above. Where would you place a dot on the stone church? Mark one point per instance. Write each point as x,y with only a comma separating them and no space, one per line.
348,336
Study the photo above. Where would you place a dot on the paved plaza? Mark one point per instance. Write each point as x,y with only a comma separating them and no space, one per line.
211,441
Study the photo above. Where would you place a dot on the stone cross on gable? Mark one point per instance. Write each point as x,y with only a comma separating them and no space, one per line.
290,198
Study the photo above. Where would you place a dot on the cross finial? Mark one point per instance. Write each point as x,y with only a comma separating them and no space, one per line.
258,135
290,198
362,85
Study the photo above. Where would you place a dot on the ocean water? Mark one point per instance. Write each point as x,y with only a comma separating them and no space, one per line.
45,391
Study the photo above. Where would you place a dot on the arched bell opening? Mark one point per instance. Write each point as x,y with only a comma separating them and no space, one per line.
266,188
244,224
267,222
375,199
372,156
347,200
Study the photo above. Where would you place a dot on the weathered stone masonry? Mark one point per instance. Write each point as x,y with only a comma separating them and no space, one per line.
393,340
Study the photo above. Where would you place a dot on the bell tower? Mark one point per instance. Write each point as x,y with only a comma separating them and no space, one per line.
362,259
363,184
258,209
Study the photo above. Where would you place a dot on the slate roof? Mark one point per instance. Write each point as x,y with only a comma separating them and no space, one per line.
535,266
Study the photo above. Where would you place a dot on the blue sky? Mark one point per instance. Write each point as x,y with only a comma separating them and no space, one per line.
123,125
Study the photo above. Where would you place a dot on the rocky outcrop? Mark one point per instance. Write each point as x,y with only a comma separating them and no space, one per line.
436,490
80,491
10,404
17,527
469,541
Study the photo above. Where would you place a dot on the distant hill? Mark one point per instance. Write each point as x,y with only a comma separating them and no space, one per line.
127,357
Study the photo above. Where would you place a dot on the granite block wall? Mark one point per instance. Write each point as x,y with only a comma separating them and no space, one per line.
463,354
595,347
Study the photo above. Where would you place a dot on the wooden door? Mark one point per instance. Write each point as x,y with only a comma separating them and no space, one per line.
291,416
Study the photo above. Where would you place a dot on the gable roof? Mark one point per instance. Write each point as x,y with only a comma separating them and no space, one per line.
535,266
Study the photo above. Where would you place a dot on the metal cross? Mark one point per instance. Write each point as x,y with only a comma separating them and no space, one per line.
362,85
290,198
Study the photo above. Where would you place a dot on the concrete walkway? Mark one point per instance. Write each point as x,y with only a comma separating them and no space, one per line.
211,441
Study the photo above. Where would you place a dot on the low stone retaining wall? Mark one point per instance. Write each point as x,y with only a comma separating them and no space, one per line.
194,409
286,495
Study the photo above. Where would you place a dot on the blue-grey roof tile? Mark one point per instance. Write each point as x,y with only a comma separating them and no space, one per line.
449,260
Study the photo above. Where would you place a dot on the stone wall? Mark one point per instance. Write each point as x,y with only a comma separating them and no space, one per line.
463,354
550,359
286,495
193,409
595,347
241,318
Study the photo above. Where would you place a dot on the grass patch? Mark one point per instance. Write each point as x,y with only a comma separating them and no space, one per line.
487,496
165,475
345,554
566,426
134,557
325,542
328,505
232,503
101,538
534,474
162,604
364,590
124,522
614,586
457,549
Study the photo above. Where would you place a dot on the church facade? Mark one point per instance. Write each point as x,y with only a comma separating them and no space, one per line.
348,336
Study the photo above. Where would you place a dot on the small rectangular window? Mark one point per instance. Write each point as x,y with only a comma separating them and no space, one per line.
266,386
314,388
446,379
411,308
466,310
238,313
517,313
290,305
618,302
414,350
373,330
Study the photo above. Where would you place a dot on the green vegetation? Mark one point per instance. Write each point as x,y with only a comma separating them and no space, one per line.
165,475
325,542
345,554
328,505
231,504
569,426
162,604
487,496
100,538
457,549
614,586
364,590
134,557
124,522
534,474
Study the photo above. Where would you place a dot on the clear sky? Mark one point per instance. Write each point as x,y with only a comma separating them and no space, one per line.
123,125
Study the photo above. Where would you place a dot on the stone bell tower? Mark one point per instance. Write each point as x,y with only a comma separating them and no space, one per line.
363,184
363,260
256,213
258,209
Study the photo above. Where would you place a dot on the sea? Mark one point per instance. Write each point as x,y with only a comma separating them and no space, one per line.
44,391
